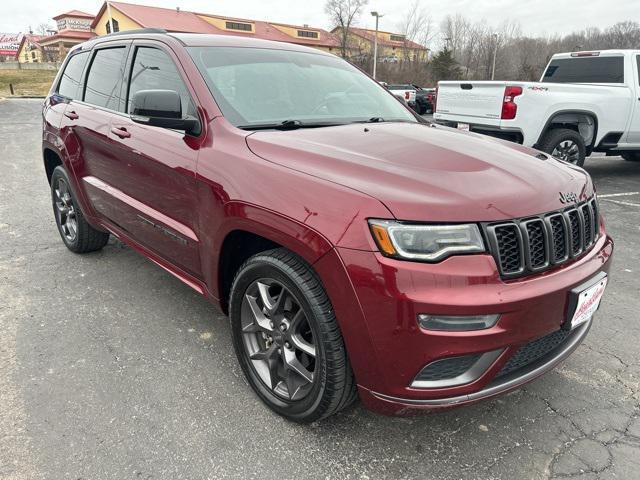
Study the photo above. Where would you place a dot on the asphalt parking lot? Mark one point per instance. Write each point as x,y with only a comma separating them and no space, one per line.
112,369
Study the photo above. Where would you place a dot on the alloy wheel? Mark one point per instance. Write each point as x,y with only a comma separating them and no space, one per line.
278,339
568,151
65,210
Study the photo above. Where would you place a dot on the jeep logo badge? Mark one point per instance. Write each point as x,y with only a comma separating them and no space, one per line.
568,197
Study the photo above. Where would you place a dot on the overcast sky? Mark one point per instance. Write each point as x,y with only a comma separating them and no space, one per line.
539,17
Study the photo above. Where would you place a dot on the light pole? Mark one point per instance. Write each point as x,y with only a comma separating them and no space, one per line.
375,43
495,54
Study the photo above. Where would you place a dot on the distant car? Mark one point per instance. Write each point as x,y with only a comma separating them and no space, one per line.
407,92
390,59
425,99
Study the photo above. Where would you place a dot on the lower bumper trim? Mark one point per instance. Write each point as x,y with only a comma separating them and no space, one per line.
508,382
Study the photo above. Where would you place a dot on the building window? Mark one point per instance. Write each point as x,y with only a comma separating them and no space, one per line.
116,27
307,34
245,27
397,38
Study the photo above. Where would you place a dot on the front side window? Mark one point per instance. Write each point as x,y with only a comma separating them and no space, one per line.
153,69
255,86
71,77
104,80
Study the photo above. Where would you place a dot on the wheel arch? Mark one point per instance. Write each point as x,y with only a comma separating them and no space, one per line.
585,122
52,159
248,230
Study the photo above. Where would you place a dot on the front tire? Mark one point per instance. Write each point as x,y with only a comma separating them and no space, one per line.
565,144
76,233
287,339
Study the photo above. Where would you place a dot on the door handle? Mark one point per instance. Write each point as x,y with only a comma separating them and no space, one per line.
120,132
72,115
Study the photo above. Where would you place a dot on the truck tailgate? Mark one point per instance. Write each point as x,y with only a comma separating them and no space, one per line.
460,101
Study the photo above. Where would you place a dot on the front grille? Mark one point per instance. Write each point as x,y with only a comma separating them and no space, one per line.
533,244
534,351
447,368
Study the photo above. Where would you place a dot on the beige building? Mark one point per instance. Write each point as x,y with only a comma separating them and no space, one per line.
392,47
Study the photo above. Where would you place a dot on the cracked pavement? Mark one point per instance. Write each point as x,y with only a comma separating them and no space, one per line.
110,368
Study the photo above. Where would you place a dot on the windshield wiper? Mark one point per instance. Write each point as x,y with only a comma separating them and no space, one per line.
288,125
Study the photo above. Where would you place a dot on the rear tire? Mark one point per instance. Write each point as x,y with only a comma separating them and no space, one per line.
287,339
76,233
564,144
631,156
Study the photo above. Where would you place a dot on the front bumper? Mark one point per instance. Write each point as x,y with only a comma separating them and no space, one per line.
388,349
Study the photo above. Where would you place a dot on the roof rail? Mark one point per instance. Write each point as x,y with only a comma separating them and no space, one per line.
135,31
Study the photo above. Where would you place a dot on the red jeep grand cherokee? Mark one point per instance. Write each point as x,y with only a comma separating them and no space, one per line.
357,249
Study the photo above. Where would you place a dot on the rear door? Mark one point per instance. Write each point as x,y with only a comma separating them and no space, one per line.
87,121
154,171
633,135
470,100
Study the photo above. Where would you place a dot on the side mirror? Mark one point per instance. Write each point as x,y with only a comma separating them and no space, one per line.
161,108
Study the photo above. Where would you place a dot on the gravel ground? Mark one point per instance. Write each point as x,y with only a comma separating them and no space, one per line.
112,369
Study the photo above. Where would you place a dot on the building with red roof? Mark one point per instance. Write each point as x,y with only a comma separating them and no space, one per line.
392,47
73,27
128,16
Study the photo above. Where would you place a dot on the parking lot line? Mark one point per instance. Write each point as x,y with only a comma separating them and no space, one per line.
621,202
625,194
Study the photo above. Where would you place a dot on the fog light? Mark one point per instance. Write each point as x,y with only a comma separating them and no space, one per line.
456,323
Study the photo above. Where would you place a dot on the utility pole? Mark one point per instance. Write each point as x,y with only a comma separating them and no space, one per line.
495,54
375,43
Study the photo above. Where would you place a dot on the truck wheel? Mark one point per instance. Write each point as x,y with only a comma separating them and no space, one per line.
287,339
76,233
631,156
565,144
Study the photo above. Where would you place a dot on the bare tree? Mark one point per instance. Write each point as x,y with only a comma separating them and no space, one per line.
416,27
43,29
343,14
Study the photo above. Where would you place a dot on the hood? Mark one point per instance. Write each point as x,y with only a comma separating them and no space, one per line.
428,173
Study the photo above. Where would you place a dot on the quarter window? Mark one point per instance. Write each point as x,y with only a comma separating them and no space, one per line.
70,80
104,80
154,70
638,63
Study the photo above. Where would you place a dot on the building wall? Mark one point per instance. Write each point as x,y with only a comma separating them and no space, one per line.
124,22
27,55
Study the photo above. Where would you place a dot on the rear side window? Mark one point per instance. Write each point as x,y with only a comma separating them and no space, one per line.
585,70
71,77
638,63
104,79
153,69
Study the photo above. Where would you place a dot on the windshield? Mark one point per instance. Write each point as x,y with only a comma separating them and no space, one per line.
254,87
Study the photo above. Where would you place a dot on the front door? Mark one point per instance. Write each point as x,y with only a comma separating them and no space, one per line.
156,173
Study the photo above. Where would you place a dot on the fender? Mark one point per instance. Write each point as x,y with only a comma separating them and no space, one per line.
275,227
571,111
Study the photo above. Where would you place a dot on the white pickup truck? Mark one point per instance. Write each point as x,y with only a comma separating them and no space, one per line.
585,102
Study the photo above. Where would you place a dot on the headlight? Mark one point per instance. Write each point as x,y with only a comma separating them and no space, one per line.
429,243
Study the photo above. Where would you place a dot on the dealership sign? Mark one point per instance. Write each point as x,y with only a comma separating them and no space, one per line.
9,44
72,23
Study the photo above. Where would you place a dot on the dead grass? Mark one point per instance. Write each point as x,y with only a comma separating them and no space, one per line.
26,82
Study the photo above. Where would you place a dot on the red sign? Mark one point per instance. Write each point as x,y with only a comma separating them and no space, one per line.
9,43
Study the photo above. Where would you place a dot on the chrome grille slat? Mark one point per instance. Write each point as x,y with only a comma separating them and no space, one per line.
533,244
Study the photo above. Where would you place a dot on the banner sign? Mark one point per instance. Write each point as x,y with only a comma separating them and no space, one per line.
9,43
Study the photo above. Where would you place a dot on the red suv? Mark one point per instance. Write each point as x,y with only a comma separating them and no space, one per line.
357,249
